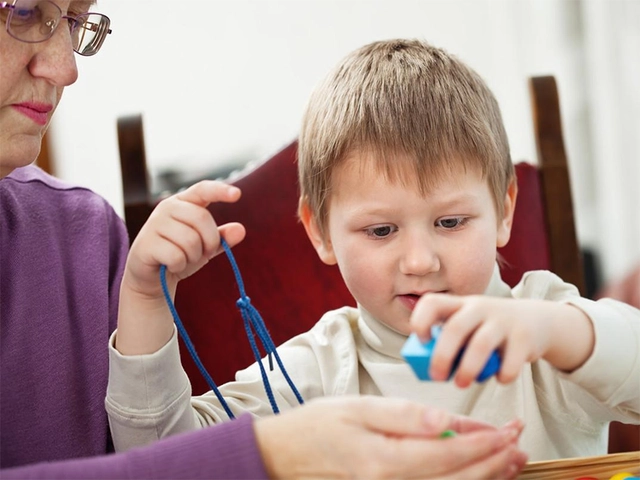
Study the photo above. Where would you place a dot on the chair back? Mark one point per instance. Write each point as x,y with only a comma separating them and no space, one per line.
287,283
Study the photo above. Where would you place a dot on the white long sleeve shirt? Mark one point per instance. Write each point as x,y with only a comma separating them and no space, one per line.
349,352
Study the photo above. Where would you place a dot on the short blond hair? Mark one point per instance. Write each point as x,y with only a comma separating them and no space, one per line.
414,108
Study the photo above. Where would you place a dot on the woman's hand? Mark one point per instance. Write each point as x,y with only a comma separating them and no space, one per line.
375,437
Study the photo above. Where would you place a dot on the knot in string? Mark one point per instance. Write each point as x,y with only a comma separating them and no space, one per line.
244,302
253,322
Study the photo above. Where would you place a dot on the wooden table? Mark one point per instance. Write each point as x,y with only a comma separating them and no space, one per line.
601,467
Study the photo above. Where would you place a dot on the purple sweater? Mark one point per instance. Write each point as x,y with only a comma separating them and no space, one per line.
62,254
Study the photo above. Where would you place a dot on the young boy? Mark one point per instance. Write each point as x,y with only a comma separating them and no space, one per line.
408,186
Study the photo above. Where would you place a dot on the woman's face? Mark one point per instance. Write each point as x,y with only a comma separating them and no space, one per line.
32,78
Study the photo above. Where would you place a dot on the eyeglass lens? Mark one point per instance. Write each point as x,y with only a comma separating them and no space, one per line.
88,32
35,21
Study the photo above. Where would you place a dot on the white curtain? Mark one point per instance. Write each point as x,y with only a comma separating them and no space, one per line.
611,32
592,47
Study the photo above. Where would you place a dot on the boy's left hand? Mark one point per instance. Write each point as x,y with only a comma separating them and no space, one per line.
181,234
522,330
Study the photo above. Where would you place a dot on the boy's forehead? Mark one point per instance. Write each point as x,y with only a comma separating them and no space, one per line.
406,169
370,188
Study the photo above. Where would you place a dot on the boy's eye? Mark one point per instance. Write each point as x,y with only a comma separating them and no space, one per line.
380,232
450,223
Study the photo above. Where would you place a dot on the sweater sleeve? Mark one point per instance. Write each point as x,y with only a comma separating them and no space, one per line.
228,451
611,374
148,396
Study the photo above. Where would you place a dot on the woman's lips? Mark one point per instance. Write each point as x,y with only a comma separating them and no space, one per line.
38,112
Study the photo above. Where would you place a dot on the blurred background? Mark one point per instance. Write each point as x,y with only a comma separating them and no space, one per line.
224,82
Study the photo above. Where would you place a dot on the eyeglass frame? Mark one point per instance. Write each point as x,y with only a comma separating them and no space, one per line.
12,6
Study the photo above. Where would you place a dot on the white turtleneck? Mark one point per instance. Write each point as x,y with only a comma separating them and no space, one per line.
350,352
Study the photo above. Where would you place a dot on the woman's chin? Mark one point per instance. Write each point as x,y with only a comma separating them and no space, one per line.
19,153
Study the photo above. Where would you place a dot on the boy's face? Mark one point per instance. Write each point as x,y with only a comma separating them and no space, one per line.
393,245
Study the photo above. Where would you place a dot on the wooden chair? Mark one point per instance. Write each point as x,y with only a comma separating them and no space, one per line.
286,281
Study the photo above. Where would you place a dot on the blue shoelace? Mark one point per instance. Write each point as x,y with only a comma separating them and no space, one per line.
252,323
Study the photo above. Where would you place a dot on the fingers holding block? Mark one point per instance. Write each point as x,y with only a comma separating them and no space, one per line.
418,356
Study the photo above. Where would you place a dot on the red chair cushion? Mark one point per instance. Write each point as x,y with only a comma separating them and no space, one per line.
283,276
528,248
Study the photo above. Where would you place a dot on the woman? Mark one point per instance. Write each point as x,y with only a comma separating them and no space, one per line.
62,252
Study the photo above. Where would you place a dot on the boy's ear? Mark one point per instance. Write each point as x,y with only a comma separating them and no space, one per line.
505,224
323,246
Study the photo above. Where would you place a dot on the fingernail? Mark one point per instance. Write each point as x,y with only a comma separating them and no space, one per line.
435,420
508,436
512,470
515,424
518,461
521,458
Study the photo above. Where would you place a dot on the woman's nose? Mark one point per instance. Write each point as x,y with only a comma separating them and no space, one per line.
419,256
54,59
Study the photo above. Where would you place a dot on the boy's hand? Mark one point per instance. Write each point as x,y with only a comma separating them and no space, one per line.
181,234
522,330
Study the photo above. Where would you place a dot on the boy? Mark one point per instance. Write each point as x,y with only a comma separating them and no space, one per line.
407,185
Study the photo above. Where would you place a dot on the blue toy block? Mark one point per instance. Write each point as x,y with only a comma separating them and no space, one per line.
418,356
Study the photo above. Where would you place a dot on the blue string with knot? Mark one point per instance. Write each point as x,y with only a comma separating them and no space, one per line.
252,321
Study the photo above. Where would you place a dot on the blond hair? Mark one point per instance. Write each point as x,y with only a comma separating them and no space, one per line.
414,109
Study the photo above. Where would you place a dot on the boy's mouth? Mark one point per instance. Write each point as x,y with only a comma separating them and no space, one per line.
410,300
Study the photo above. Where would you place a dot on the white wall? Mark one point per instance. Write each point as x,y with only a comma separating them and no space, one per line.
225,79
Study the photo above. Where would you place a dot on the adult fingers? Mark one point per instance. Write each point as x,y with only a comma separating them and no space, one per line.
406,418
463,424
398,417
444,457
516,424
504,464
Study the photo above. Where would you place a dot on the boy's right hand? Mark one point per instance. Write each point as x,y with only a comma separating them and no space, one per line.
183,235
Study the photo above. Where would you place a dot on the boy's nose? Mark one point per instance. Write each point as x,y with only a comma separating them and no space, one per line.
419,257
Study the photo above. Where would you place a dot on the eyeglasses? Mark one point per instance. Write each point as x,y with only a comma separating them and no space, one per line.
34,21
